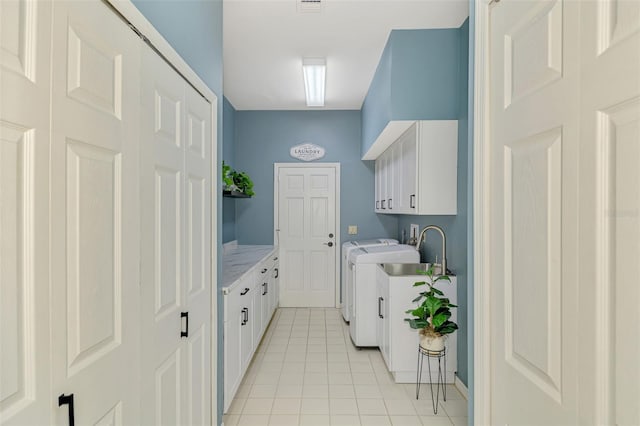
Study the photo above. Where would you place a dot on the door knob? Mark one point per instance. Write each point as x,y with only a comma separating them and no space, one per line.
330,235
330,244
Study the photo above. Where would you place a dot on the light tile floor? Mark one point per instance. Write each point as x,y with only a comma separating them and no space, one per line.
306,371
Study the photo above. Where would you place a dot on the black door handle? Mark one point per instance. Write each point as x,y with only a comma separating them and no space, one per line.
68,400
263,271
185,332
380,300
245,316
246,290
277,273
264,289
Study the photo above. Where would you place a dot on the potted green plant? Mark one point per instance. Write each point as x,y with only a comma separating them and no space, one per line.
432,316
233,181
227,178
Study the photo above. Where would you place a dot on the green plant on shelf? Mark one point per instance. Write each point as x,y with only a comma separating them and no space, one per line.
236,181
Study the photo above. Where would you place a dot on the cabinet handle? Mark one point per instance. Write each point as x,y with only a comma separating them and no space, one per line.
68,400
263,271
276,272
275,258
185,332
380,300
377,204
412,201
264,287
245,316
390,205
382,205
246,290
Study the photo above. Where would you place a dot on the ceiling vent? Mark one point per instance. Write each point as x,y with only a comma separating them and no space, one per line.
309,6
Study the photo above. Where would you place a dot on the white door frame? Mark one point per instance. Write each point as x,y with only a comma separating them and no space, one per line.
481,216
131,14
276,174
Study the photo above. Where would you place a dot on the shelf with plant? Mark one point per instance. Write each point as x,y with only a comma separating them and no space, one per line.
432,316
236,184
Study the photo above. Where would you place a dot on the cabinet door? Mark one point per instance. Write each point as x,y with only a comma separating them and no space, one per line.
276,285
383,182
378,186
396,202
232,350
379,314
409,166
246,334
386,337
255,315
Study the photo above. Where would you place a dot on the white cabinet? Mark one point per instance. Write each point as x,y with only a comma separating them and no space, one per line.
382,322
417,174
249,304
397,341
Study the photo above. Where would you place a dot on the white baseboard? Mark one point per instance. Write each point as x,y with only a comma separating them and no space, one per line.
461,387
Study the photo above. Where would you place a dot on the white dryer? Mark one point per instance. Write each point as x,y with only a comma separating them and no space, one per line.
347,248
362,280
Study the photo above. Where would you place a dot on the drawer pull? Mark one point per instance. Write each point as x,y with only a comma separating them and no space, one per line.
246,290
263,271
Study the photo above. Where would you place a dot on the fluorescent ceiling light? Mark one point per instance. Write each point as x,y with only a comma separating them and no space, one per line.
314,70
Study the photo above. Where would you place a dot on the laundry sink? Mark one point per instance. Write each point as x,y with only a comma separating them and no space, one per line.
404,269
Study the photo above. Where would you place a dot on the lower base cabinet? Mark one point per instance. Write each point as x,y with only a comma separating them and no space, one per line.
397,341
249,305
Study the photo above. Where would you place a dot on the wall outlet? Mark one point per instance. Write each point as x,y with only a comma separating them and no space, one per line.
415,230
353,229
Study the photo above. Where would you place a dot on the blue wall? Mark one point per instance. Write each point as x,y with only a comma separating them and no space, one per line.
416,79
470,228
228,155
194,30
455,227
264,138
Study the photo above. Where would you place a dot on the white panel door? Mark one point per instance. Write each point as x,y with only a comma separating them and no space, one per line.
534,46
162,239
176,244
197,231
95,214
409,172
25,392
610,202
307,237
564,222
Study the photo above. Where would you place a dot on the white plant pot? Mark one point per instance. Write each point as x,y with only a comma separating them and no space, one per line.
432,343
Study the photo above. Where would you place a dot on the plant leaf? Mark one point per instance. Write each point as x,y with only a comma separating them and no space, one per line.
432,304
419,283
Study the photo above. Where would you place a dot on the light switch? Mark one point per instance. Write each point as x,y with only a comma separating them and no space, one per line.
353,229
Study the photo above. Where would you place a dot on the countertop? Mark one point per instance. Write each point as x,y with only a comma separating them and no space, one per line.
238,260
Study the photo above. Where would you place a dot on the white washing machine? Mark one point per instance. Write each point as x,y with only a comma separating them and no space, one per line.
362,279
347,248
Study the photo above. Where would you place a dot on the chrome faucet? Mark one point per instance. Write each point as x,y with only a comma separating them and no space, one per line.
421,237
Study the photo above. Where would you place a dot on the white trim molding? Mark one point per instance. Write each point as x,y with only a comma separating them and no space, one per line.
461,387
338,244
481,223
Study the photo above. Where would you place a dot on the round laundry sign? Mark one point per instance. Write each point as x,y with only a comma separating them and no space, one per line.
307,152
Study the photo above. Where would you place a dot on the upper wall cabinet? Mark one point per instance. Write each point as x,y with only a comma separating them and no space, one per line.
417,173
419,77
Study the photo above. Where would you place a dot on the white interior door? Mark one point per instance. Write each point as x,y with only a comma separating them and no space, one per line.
176,244
609,268
25,395
307,222
564,228
95,214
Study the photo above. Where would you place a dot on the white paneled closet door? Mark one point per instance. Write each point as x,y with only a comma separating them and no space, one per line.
24,212
95,214
176,244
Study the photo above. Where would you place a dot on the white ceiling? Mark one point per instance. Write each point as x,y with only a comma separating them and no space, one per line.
265,41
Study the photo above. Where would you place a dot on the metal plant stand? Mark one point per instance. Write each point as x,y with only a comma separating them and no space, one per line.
442,374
